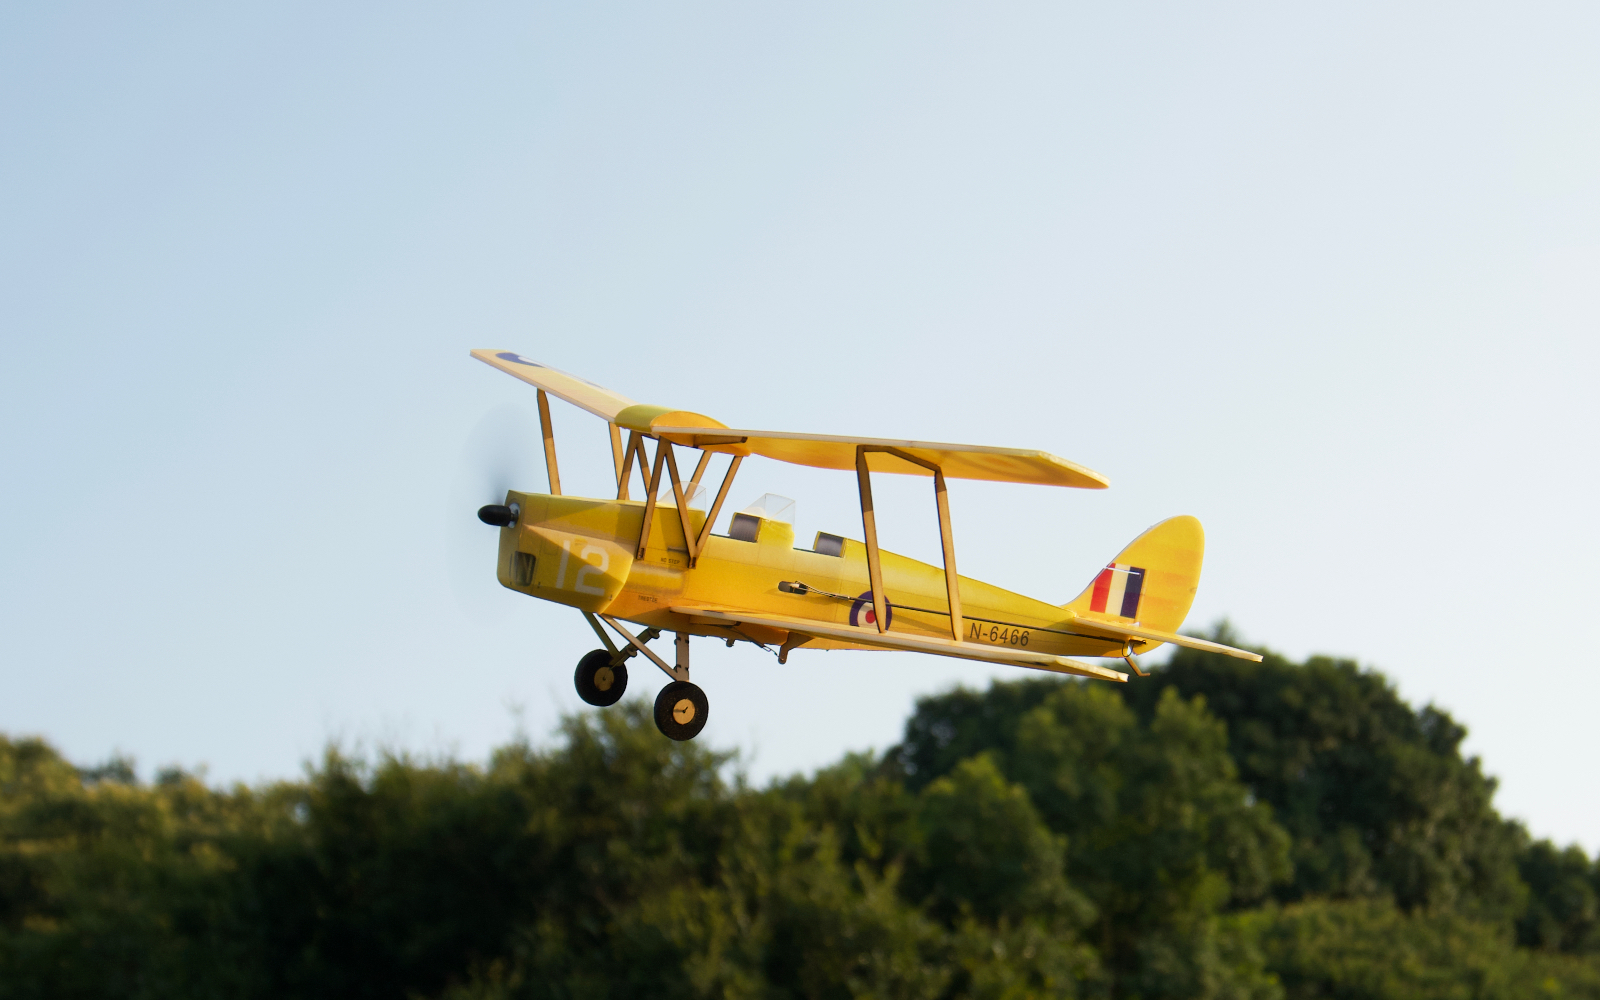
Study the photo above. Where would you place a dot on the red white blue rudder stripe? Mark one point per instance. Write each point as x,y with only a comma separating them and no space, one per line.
1116,590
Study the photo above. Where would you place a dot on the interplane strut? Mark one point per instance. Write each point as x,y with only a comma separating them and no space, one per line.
869,527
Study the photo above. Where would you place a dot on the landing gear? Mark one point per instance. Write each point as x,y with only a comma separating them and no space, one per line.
681,711
598,681
681,708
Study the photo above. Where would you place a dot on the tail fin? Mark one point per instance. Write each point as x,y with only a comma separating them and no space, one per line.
1152,581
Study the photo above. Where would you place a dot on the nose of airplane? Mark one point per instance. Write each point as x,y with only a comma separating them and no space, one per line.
498,514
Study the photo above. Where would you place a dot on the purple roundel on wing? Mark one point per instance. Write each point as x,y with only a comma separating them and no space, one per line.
862,613
517,359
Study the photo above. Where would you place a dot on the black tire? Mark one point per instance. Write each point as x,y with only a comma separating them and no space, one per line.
597,681
681,711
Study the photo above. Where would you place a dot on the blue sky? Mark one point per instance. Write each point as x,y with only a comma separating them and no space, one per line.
1326,277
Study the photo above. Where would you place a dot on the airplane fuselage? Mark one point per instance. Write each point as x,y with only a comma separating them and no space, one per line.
583,553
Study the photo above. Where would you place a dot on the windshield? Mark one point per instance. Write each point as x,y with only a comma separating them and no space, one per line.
772,507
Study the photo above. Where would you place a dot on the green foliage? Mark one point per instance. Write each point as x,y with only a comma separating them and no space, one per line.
1563,911
109,888
986,852
1369,950
1376,795
1272,832
1159,833
949,728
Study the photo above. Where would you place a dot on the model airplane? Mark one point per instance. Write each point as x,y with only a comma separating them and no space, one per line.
654,562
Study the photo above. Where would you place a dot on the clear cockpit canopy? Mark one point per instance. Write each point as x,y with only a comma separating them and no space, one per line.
772,507
694,494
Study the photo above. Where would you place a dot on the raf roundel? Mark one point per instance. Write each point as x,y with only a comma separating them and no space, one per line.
862,613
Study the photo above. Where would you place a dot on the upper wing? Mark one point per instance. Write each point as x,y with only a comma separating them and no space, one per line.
1121,631
910,643
834,451
822,451
600,401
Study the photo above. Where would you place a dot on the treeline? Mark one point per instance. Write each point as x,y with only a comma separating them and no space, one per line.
1220,829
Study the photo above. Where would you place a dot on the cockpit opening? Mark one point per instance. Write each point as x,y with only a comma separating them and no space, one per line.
828,545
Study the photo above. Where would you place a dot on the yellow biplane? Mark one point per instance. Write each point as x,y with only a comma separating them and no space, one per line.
653,563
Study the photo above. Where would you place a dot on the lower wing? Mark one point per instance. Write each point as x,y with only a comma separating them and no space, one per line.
908,643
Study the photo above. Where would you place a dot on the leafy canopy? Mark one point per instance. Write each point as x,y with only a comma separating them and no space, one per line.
1220,830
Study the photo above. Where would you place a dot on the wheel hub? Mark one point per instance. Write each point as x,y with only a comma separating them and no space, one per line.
683,711
604,678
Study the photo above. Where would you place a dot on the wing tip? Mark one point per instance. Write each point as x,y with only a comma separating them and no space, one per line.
1093,480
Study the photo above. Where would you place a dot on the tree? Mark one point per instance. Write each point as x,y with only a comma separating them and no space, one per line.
986,853
948,728
1159,833
110,888
1376,795
1040,838
1563,911
1371,950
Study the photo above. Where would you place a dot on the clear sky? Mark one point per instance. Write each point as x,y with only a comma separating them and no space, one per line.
1326,276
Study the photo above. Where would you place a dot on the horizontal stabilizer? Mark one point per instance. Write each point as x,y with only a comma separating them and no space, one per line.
598,400
910,643
1118,630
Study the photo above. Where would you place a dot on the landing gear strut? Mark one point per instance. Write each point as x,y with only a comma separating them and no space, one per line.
681,708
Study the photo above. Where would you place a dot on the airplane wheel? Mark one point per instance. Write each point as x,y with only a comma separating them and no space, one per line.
598,682
681,711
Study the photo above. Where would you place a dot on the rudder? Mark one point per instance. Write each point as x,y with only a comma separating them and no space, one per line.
1152,581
